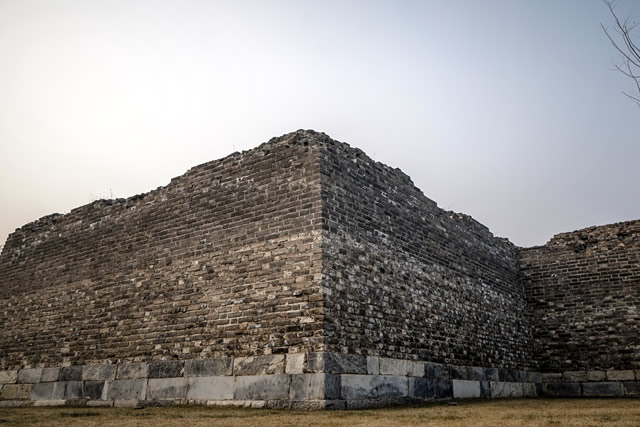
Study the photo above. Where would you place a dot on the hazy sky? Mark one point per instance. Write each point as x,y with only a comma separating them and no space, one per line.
508,111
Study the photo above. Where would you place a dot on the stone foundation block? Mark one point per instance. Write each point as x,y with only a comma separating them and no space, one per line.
42,391
99,372
125,403
29,376
436,371
492,374
485,389
100,403
508,375
517,389
373,365
575,376
126,389
631,388
259,365
15,391
500,389
602,389
562,389
15,403
465,389
627,375
208,367
420,388
295,363
337,363
476,373
314,386
401,367
459,372
533,377
50,374
596,375
8,377
359,387
529,390
132,371
49,403
314,405
93,389
552,378
262,387
167,388
71,373
73,390
165,369
210,388
443,389
376,403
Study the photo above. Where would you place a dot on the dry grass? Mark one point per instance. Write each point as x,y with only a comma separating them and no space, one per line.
538,412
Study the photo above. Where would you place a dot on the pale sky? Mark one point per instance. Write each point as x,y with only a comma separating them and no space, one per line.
508,111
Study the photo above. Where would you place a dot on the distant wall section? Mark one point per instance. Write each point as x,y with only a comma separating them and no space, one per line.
583,292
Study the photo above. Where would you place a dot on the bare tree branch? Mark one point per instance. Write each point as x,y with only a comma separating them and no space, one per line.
628,49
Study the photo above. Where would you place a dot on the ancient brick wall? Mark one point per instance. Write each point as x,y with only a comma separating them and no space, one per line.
583,292
408,280
223,261
302,274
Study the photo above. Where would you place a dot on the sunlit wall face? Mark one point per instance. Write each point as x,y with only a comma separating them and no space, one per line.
506,110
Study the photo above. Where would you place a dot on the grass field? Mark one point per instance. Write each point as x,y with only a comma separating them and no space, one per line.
532,412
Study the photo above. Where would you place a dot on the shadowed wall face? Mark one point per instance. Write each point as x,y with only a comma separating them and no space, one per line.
410,280
225,260
584,298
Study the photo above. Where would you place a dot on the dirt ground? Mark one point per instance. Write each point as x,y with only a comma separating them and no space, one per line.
515,412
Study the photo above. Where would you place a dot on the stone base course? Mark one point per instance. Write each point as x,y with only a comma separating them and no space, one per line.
296,381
